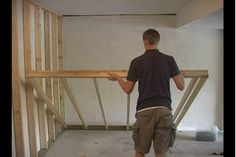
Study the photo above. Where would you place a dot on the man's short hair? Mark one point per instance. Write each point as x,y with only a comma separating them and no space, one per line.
152,36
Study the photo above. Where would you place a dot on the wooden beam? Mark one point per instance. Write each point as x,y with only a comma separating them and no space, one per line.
99,127
47,46
73,100
77,73
16,99
28,87
190,99
38,62
40,91
100,102
61,65
101,73
187,92
55,67
128,111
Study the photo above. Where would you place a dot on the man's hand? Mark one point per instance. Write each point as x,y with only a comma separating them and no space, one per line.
127,86
113,76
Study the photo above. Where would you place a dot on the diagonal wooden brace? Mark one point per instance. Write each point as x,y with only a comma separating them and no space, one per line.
193,89
100,101
40,91
72,98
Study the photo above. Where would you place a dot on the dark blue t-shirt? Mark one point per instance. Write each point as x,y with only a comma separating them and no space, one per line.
153,71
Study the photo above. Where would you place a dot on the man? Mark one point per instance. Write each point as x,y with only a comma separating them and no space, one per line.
153,71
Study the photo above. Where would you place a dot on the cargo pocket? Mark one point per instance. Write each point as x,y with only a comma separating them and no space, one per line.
172,136
166,120
135,135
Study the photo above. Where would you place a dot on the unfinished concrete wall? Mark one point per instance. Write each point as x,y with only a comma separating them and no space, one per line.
110,42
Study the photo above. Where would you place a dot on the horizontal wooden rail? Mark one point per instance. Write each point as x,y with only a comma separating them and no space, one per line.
100,73
99,127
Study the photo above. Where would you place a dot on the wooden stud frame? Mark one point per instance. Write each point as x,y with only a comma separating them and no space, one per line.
55,89
61,65
48,81
30,84
28,87
198,79
38,65
100,73
16,99
56,96
49,103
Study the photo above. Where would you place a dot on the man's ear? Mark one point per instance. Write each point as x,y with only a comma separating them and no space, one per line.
145,41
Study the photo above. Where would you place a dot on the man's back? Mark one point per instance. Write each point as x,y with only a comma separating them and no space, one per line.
153,71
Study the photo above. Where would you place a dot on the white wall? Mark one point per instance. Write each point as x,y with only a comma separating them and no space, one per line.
111,42
103,42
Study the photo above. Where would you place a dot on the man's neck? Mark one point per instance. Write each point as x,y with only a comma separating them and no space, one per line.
151,47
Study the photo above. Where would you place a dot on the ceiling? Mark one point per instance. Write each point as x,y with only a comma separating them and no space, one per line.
101,7
133,7
213,21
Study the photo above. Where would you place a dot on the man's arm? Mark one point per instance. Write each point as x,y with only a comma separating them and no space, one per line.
179,81
127,86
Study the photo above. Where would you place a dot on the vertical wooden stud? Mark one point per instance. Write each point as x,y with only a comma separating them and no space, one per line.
50,121
38,62
55,67
28,87
61,66
16,99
